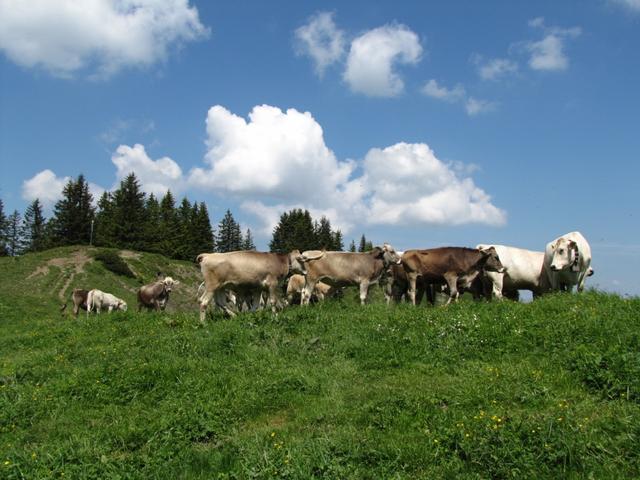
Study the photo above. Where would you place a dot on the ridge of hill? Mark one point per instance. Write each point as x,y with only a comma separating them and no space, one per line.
47,278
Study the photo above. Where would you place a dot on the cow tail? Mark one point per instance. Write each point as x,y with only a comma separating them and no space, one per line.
199,258
63,307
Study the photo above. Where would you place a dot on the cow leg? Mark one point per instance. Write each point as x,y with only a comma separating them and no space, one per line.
412,287
364,290
421,287
309,286
204,302
452,283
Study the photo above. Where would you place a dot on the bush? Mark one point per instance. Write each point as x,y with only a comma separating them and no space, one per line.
114,263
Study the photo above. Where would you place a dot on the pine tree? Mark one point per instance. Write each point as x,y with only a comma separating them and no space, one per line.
352,246
338,244
129,214
186,237
247,242
229,238
295,230
3,231
104,227
324,235
151,224
204,239
169,226
72,215
14,237
33,228
363,244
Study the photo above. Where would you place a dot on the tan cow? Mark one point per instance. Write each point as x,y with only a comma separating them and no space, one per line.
245,270
340,269
295,287
154,296
456,266
97,300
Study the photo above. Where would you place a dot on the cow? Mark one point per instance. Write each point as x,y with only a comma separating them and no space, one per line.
567,262
154,296
524,270
79,298
295,287
396,285
346,268
97,300
456,266
245,271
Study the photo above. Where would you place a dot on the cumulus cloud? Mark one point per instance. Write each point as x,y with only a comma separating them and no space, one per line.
47,187
278,160
633,5
496,68
373,56
102,36
432,89
321,40
548,53
457,94
155,176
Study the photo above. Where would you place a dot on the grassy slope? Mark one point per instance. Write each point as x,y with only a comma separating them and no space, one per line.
548,389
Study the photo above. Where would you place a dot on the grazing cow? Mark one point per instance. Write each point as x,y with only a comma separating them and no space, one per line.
295,287
524,270
97,300
79,298
346,268
154,296
567,262
245,271
456,266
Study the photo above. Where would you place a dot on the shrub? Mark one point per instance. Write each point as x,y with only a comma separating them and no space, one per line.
114,263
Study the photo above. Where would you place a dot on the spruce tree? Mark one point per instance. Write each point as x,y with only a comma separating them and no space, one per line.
72,215
247,242
352,246
3,231
104,227
14,238
204,239
33,228
169,226
295,230
325,239
363,244
338,244
129,214
229,238
152,224
186,237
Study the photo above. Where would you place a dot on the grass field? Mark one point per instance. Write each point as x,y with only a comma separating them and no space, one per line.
549,389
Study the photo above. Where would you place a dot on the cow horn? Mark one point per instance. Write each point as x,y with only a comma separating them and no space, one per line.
312,255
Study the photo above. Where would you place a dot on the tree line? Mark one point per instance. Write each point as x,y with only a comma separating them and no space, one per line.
129,218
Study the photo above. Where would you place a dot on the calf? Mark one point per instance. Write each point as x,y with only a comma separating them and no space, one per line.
455,266
154,296
97,299
295,288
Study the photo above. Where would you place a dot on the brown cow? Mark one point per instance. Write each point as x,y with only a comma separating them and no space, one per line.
154,296
346,268
396,285
79,298
245,270
455,266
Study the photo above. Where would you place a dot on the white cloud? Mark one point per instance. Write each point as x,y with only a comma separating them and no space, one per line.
103,36
373,56
155,176
321,40
474,106
432,89
45,185
496,68
633,5
548,54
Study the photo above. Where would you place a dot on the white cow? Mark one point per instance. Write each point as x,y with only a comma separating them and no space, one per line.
567,262
97,299
524,270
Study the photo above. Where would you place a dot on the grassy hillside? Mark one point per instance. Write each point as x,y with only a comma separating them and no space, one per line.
549,389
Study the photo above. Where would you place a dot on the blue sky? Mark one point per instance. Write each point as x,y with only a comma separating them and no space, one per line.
418,123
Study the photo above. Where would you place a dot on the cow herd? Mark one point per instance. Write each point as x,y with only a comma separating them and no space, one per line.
251,280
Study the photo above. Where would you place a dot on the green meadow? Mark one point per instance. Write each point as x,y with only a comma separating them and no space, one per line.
548,389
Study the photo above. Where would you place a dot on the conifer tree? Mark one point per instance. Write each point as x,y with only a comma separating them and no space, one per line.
325,239
14,237
363,244
247,242
3,231
72,215
229,238
338,244
33,228
294,230
169,226
152,224
104,234
129,214
352,246
186,237
204,240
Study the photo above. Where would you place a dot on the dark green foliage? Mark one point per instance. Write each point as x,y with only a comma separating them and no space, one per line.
297,230
114,263
247,241
229,237
72,215
365,245
3,231
104,225
34,228
152,224
352,246
203,234
14,242
169,226
129,214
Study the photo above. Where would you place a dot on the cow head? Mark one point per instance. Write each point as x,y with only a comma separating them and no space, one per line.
122,305
296,262
565,254
169,283
491,260
388,255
